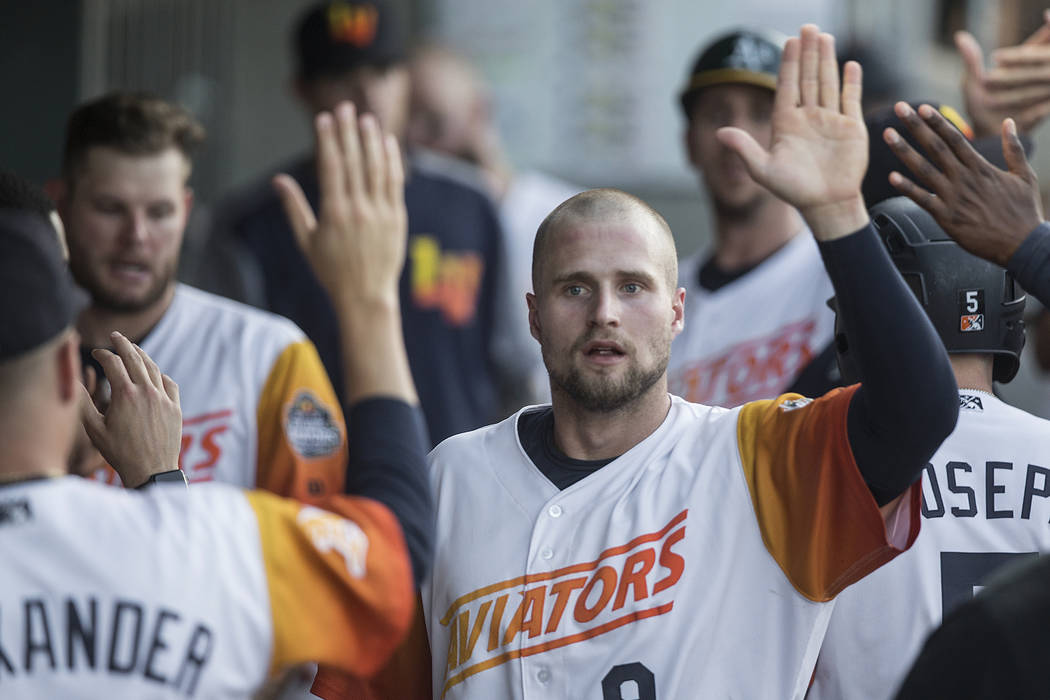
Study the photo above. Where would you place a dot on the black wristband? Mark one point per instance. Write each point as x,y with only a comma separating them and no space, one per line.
174,476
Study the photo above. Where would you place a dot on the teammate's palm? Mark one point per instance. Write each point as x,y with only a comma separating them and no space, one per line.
819,150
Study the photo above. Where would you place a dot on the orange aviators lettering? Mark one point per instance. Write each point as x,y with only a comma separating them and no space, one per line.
532,614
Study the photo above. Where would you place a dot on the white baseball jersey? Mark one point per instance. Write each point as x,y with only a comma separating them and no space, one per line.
106,593
257,406
698,564
986,502
749,339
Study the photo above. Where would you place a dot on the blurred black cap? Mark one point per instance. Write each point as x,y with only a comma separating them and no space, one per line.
742,56
39,298
882,161
334,37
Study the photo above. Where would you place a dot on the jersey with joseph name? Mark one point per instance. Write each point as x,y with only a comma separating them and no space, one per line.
700,563
258,410
750,339
107,593
985,504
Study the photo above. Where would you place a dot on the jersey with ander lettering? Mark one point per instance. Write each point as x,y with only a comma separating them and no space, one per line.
985,503
749,339
699,563
258,409
107,593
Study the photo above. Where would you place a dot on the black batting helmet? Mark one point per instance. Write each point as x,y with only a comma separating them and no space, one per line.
975,306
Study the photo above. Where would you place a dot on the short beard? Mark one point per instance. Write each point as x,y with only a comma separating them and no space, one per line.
605,395
102,299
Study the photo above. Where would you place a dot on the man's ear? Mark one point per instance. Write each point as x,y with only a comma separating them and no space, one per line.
67,357
187,200
534,316
678,311
57,189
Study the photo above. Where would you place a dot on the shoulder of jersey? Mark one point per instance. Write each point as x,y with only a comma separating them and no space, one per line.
479,438
241,319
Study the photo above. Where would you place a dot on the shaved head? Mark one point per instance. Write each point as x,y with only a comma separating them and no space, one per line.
605,205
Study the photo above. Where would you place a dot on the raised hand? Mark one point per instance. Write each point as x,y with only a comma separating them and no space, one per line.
819,150
140,433
1017,86
986,210
356,246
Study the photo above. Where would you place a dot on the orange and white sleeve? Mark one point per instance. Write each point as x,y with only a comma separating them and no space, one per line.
339,579
301,430
817,516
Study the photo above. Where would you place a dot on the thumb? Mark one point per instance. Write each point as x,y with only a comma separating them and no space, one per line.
972,55
296,208
755,158
1013,152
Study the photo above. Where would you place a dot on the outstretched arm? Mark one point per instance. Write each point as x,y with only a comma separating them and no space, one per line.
907,403
356,247
995,214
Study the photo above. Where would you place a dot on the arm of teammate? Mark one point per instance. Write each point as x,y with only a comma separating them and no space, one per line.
140,433
356,246
995,214
907,403
1016,86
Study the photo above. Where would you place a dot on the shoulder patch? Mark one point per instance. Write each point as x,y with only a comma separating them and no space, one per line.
15,512
310,428
330,533
970,402
792,404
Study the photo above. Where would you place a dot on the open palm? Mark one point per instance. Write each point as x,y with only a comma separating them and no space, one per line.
819,150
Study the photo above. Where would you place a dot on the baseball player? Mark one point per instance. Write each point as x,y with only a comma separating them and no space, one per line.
624,543
205,593
258,408
984,491
756,316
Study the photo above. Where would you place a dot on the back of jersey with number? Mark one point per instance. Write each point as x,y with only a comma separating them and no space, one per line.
106,593
986,503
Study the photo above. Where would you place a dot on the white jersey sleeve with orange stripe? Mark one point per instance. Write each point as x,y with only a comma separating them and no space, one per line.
700,563
258,408
169,594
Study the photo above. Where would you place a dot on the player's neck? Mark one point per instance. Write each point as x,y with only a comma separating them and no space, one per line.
973,371
34,446
588,435
96,323
746,241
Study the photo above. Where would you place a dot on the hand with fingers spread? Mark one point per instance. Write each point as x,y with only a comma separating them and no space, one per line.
988,211
356,245
140,433
1017,86
819,150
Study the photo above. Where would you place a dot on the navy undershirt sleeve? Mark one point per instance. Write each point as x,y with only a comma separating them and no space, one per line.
388,445
1030,264
908,401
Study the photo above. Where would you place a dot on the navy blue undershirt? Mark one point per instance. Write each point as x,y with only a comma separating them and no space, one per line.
1030,264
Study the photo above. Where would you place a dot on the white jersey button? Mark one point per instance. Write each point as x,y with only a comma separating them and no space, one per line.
543,676
555,511
547,553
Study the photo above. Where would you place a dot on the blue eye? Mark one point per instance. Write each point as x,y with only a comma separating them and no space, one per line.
575,290
631,288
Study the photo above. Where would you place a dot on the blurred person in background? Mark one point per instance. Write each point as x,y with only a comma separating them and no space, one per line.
452,115
258,408
756,315
358,51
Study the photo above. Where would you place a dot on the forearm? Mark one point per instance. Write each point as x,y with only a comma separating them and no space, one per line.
908,401
1030,264
388,445
375,362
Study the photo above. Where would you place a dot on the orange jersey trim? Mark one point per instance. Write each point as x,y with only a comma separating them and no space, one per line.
340,582
816,514
296,402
